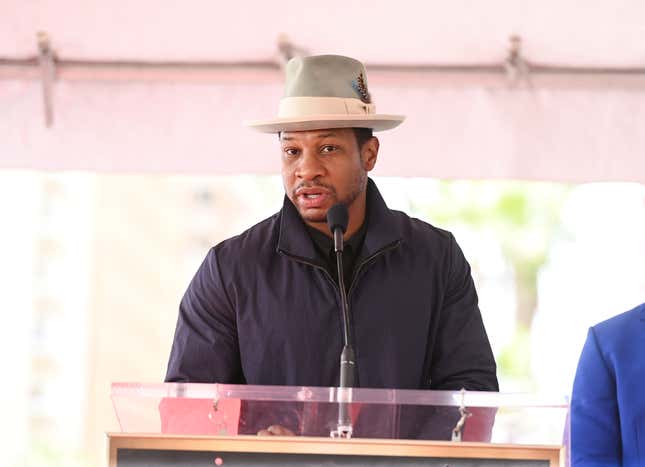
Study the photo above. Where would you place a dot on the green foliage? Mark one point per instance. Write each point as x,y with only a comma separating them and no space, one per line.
513,360
52,455
525,218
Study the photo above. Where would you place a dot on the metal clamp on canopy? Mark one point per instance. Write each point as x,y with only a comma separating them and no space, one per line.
47,66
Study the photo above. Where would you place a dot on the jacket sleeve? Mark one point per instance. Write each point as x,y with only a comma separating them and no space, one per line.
462,356
205,347
595,424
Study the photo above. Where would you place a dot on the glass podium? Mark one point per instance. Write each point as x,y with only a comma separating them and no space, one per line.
181,424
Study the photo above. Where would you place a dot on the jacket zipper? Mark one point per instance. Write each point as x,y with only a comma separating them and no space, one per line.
300,259
365,262
359,268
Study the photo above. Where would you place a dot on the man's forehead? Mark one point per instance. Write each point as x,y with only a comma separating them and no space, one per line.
314,134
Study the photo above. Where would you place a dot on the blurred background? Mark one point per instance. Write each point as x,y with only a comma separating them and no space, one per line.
123,160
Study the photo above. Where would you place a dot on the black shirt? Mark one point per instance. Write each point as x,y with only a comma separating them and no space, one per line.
327,256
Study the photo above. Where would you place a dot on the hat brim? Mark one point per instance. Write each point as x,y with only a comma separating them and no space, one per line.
319,122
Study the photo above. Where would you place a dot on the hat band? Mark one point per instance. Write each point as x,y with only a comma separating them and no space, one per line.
294,107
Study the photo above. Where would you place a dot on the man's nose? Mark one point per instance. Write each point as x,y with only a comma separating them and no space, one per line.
309,166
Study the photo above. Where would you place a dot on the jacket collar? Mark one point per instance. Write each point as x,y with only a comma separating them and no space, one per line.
382,228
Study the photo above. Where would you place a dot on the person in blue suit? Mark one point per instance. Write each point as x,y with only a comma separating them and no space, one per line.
608,399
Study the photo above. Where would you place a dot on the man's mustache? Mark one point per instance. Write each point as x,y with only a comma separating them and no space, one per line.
314,184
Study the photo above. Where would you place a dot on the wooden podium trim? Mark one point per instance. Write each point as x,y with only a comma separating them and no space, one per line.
354,446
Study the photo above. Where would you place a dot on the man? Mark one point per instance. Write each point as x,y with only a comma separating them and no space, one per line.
264,306
608,401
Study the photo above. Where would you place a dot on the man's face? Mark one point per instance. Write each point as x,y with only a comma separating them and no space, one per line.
323,167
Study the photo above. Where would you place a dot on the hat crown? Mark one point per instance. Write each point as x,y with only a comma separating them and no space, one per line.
326,76
326,91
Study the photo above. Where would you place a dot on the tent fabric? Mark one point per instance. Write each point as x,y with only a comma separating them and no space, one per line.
564,127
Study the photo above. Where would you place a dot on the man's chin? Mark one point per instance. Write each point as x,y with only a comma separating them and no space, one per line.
314,218
313,215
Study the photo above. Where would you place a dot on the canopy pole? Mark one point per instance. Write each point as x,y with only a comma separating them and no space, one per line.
519,72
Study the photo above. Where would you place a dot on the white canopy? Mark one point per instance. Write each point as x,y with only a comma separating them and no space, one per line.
163,87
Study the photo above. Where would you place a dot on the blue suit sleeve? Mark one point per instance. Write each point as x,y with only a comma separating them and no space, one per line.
595,423
205,347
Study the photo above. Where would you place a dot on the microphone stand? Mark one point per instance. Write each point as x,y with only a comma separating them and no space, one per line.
348,378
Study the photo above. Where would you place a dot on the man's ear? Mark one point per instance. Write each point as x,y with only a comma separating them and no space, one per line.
369,153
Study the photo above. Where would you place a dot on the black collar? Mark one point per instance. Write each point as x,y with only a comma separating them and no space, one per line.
381,229
326,244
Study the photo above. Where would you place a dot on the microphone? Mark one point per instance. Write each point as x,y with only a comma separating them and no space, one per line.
337,220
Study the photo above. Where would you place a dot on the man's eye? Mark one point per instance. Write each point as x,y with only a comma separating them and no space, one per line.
291,152
328,148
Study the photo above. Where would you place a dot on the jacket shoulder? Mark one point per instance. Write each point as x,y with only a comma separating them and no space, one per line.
621,333
415,229
253,241
621,322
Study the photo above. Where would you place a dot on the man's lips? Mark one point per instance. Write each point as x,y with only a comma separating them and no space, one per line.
313,197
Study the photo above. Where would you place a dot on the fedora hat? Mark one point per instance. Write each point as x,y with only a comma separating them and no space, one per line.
326,91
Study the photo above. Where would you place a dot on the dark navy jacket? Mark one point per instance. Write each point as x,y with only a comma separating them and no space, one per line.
262,309
608,400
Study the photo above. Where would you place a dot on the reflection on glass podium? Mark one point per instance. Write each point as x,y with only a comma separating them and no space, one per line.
209,424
